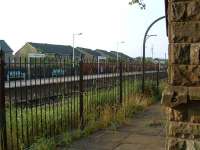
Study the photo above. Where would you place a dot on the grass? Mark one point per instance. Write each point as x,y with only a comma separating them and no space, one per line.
110,116
58,124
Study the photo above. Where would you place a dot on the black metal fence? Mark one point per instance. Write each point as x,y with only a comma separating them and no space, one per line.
45,97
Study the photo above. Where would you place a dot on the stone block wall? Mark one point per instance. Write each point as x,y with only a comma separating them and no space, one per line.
182,96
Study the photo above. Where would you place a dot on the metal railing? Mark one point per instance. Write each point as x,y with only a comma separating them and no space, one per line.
45,104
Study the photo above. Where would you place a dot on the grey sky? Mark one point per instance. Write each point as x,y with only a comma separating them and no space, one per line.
102,22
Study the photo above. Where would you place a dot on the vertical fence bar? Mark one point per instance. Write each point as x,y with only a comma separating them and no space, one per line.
120,83
3,135
81,94
157,76
10,108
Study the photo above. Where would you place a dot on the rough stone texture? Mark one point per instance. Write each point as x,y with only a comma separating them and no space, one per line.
183,113
179,53
184,32
179,144
185,11
194,93
185,54
175,144
174,96
193,112
178,114
184,130
184,75
195,54
177,11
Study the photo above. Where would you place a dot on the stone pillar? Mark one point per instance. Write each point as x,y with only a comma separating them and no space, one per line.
182,96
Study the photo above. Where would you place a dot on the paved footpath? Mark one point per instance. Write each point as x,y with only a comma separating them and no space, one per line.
144,132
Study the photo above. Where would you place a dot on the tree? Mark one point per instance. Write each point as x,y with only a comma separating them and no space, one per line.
140,2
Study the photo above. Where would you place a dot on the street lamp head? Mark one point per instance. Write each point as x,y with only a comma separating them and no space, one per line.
152,35
148,36
77,33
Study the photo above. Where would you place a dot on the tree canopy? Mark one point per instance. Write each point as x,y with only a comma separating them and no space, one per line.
140,2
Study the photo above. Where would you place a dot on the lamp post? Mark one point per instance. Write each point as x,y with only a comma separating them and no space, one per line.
144,43
152,52
100,58
148,37
73,55
151,35
122,42
157,62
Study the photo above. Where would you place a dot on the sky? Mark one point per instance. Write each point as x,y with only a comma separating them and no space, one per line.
104,23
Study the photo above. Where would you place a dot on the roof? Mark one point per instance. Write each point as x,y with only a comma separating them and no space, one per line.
121,55
5,47
89,51
56,49
105,53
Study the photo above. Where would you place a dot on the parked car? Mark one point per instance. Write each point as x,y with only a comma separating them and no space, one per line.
57,72
15,74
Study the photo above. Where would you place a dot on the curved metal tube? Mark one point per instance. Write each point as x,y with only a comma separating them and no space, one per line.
144,44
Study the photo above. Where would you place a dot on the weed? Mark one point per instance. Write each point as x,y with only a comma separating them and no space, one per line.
102,109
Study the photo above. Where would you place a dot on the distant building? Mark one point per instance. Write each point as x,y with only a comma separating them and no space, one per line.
88,53
106,54
121,56
112,55
53,50
161,61
47,49
7,50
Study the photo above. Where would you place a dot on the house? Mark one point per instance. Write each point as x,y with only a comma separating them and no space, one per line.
53,50
161,61
7,50
112,55
121,55
47,49
105,54
88,53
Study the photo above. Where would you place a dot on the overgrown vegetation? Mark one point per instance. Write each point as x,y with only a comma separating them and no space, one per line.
102,109
110,116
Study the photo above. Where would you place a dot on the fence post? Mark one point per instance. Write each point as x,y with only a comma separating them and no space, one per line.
3,136
157,76
81,94
120,83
